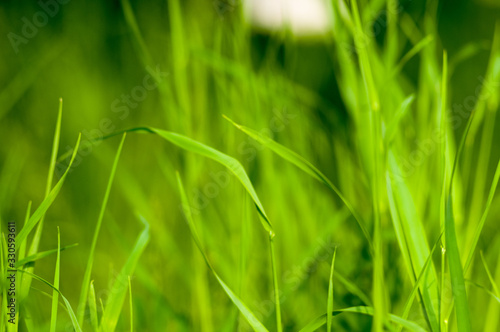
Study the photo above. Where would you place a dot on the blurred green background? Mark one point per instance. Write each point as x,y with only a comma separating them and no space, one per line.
212,62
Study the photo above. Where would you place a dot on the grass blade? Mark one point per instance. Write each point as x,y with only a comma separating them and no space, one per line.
411,53
247,314
119,289
480,226
88,269
55,295
329,306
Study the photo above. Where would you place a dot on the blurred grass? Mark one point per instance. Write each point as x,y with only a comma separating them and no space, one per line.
368,109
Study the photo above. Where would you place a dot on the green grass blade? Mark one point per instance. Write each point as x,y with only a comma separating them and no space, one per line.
304,165
40,255
119,289
411,53
94,320
480,226
44,206
320,321
247,313
329,306
90,261
71,313
55,295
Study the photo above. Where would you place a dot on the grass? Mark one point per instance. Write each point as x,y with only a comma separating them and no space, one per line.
268,183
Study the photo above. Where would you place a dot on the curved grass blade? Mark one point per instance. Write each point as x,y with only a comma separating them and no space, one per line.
249,316
329,306
320,321
304,165
40,255
119,289
90,261
55,295
231,163
71,313
44,206
411,53
480,226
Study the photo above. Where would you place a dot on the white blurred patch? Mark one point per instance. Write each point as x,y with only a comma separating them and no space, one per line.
304,17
